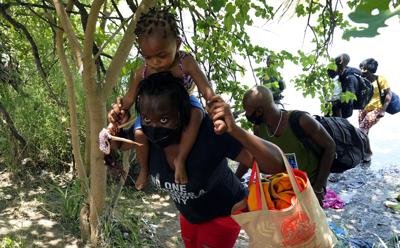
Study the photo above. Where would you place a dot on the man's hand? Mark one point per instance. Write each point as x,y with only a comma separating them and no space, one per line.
320,193
220,127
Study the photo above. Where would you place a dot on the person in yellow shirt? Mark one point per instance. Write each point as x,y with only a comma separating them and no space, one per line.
376,108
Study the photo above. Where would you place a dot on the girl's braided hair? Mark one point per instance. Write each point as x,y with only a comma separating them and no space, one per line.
156,18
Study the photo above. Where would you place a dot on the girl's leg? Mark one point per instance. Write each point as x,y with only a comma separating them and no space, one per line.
370,119
189,136
362,121
142,156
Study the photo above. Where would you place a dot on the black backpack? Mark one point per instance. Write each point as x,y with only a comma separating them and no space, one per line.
351,143
364,89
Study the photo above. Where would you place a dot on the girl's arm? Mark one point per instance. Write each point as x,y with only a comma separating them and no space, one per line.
135,78
191,66
119,112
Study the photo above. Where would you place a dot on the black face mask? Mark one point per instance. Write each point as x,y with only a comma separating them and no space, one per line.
162,136
256,120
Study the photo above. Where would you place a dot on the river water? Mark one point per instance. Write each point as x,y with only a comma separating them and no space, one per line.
385,141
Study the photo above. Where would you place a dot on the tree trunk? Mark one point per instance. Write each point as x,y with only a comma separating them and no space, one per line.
72,113
95,102
98,177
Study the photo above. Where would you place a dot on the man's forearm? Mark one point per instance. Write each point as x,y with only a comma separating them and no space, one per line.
266,154
324,168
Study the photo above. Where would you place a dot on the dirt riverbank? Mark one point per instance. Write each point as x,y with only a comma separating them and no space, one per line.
364,216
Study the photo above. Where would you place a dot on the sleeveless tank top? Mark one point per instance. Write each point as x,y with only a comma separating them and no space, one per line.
289,143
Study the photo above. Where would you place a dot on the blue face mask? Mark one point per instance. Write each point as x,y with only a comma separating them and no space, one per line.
162,136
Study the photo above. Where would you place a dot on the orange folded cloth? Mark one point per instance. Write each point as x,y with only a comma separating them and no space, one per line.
278,191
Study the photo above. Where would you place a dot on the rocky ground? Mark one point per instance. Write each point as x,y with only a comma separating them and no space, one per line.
364,217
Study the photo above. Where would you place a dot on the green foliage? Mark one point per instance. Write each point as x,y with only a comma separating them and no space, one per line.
316,82
394,241
220,42
127,231
66,203
372,14
216,5
33,109
219,39
348,96
322,22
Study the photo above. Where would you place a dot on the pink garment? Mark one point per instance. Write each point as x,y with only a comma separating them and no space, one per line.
332,200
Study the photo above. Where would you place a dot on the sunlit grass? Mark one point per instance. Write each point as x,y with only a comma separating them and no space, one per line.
128,226
12,242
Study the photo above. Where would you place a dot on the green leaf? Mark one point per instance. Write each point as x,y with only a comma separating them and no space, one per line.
230,9
217,5
348,96
300,10
202,4
228,22
364,13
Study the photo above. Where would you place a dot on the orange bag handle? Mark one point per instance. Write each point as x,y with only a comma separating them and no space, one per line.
255,176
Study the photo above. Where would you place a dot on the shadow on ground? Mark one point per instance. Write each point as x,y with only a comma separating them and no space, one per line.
23,216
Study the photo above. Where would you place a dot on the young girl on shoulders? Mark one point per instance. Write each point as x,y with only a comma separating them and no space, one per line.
159,43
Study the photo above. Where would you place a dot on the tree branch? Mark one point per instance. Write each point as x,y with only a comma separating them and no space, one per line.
124,48
11,125
69,31
84,19
117,10
132,5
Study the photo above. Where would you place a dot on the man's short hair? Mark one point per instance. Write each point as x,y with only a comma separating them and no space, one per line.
342,60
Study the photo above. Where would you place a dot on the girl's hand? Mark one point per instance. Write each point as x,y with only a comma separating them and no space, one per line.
116,117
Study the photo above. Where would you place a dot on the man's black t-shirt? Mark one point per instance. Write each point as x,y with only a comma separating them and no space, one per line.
212,187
